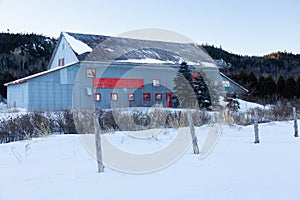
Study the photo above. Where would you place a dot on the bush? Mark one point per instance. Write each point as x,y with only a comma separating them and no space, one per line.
24,127
278,112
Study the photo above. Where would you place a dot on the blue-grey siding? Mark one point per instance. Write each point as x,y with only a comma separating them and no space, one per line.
55,90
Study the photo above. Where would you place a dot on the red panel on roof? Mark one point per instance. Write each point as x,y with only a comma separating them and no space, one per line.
118,83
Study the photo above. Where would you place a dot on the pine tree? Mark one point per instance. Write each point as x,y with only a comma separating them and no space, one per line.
290,88
201,91
297,90
183,87
233,104
261,85
280,86
215,87
269,86
252,82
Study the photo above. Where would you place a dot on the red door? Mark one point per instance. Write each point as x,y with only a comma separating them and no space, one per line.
169,99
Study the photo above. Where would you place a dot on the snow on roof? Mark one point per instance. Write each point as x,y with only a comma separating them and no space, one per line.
78,46
22,80
147,60
107,49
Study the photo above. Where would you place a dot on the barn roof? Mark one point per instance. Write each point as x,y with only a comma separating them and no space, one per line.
107,49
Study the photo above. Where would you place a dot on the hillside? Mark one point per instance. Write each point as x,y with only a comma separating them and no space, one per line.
22,55
269,78
274,64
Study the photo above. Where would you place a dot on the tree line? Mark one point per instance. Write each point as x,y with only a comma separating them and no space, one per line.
22,55
265,87
273,64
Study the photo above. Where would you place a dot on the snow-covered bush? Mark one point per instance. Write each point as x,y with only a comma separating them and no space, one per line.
24,127
278,112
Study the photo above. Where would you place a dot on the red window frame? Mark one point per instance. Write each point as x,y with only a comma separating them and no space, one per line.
158,96
97,95
87,72
129,95
153,80
111,96
147,96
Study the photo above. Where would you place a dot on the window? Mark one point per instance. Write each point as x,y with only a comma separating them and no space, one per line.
158,96
131,97
90,72
114,96
155,82
63,46
97,97
146,96
61,62
226,84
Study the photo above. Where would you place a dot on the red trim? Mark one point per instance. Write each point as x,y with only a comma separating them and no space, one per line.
96,98
111,96
169,99
129,95
158,96
91,75
118,83
147,96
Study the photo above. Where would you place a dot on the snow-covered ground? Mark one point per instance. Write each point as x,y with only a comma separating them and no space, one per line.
246,105
59,167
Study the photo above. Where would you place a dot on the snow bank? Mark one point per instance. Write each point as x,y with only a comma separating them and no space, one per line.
246,105
59,167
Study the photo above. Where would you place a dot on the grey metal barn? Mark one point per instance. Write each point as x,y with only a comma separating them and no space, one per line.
109,72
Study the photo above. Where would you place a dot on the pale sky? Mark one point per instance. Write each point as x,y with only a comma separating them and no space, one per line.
255,27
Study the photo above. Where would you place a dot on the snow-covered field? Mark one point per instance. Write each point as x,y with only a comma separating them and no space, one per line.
59,167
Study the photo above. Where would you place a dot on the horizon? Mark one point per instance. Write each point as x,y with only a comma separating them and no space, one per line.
244,28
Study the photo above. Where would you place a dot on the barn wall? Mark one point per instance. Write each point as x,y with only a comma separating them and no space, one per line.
84,99
233,88
52,91
17,96
63,51
70,87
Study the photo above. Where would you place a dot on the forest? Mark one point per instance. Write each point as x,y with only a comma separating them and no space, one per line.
23,55
269,78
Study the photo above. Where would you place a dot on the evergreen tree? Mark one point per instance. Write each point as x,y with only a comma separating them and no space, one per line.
290,88
269,86
252,82
297,90
280,86
201,91
215,87
183,87
261,85
233,104
266,86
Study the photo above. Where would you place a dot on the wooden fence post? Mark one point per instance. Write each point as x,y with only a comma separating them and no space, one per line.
256,127
295,122
97,132
192,130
